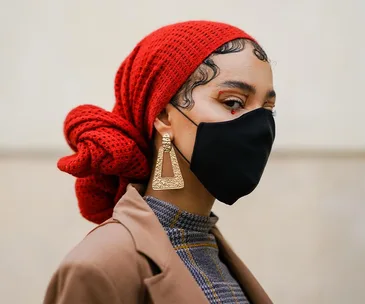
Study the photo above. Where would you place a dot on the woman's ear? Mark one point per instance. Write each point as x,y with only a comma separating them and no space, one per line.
162,124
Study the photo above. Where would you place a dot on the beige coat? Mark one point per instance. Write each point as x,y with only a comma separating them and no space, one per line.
129,259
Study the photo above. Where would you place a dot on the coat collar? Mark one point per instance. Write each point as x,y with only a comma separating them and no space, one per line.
151,240
171,284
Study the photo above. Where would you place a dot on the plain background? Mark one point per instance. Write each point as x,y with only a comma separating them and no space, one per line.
301,232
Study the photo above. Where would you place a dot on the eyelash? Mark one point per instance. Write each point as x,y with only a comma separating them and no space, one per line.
240,103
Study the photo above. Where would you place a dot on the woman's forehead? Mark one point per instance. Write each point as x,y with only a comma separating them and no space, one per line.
243,66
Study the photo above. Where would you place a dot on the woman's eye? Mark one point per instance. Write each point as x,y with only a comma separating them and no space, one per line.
234,104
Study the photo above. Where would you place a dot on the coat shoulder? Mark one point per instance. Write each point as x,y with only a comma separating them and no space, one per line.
107,257
110,248
107,244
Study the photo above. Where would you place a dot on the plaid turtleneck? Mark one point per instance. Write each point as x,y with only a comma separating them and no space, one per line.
196,246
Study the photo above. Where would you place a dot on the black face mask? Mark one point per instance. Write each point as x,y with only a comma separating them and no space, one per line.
229,157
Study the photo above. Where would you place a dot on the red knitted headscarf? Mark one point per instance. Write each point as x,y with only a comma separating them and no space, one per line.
112,148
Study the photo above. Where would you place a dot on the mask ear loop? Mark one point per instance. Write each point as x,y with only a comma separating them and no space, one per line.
189,120
181,153
184,114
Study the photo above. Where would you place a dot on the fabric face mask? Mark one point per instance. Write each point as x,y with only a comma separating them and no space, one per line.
229,157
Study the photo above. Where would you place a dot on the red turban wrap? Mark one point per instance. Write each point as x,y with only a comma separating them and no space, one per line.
112,149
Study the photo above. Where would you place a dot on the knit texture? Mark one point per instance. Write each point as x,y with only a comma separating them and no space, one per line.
113,149
197,248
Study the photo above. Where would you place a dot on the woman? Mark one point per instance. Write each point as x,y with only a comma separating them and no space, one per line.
192,123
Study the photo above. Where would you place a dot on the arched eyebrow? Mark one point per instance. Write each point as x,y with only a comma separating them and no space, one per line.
244,86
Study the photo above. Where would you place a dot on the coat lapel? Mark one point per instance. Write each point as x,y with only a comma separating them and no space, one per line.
174,284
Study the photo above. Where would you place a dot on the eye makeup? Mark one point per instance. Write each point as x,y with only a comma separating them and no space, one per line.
229,91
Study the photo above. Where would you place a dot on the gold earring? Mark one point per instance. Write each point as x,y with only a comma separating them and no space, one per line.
167,183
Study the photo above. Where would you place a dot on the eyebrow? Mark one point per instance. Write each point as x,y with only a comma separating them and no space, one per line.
244,86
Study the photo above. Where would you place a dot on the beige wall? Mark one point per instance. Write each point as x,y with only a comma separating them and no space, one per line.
59,54
302,232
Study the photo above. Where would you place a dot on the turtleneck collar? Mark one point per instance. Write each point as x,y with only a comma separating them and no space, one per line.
170,216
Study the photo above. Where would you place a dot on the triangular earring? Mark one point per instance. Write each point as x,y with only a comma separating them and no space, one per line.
167,183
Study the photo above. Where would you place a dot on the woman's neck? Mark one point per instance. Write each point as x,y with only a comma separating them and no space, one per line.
193,198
